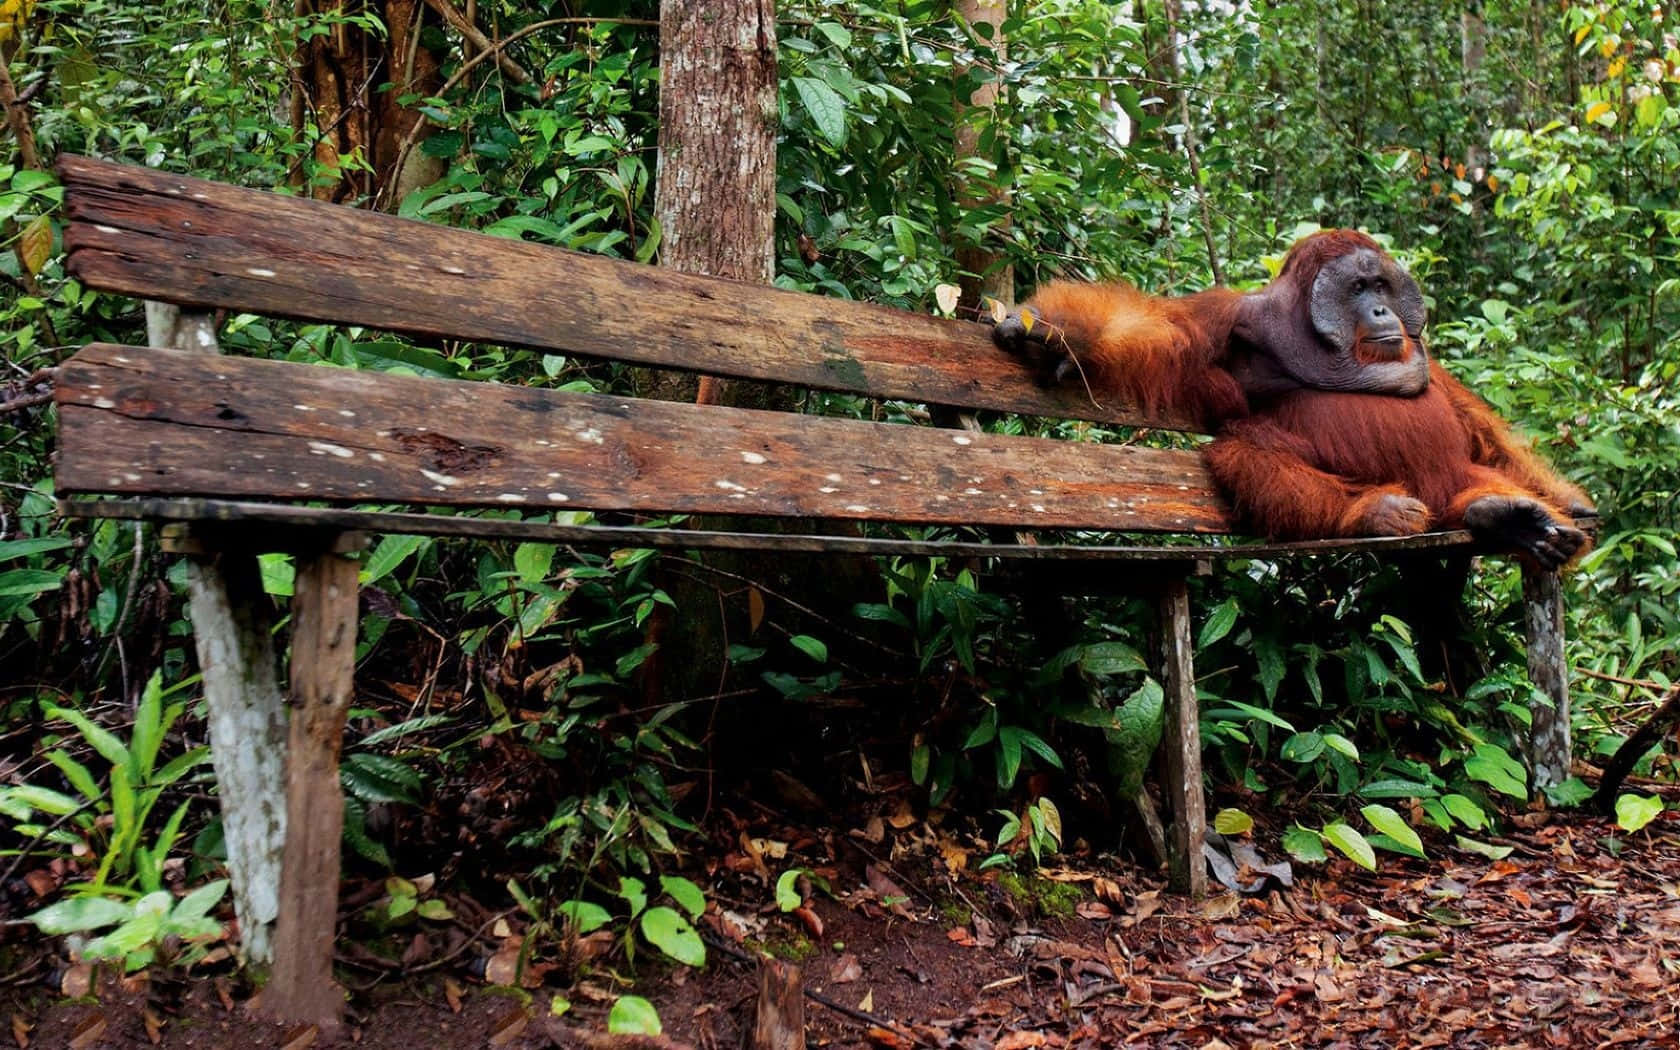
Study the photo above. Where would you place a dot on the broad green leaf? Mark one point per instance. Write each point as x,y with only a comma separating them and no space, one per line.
689,896
672,934
1485,849
787,890
1341,744
634,892
1493,767
532,560
1303,747
1219,623
24,548
1232,822
633,1015
80,914
1108,658
1352,844
1465,811
389,555
22,582
826,107
815,648
1395,827
1635,811
585,916
197,904
1304,844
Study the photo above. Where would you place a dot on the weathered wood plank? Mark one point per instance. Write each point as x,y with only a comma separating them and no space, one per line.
146,233
272,527
163,422
323,664
1181,743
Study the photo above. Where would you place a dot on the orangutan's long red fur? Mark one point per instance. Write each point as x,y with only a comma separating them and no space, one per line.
1309,463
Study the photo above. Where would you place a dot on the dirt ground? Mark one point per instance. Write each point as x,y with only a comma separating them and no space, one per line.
1572,940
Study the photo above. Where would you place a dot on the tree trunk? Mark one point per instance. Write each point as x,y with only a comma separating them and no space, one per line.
347,91
984,273
716,191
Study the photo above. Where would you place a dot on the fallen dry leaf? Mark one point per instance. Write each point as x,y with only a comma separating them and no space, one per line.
846,969
300,1037
90,1031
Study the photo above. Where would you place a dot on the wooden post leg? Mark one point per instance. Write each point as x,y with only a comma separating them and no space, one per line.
1182,743
233,624
780,1024
323,665
1548,735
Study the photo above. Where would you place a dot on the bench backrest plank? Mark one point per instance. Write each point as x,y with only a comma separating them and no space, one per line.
152,234
163,422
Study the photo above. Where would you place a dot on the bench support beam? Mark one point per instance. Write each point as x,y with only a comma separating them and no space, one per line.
1181,743
1548,734
323,663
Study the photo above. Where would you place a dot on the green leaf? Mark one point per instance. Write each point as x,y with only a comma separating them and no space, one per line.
112,749
672,934
80,914
28,582
1635,811
435,910
389,555
1395,827
1304,844
197,904
1465,811
1492,766
1485,849
689,896
1303,747
1341,744
1394,787
826,107
10,549
1219,623
815,648
1351,843
633,1015
1232,822
1110,658
634,892
788,897
532,560
80,777
585,916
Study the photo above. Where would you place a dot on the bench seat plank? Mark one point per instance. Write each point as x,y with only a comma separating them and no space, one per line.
275,521
163,422
143,232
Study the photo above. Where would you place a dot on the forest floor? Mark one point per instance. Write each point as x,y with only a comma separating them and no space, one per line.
1571,940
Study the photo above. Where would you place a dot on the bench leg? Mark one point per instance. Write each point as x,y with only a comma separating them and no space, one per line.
233,624
1548,735
1182,743
322,673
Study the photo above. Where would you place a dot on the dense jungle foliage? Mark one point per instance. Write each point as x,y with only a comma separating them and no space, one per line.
1523,159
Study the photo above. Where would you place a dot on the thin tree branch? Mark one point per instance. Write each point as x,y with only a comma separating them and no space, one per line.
465,27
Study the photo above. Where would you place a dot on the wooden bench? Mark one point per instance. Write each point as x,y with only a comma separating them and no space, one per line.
259,455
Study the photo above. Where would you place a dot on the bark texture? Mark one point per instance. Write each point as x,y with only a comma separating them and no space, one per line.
715,198
233,624
347,91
